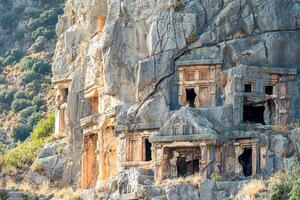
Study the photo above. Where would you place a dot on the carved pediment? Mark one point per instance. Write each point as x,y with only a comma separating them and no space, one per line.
186,124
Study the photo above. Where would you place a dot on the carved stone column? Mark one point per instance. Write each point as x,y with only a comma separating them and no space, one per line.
255,157
203,163
238,151
159,163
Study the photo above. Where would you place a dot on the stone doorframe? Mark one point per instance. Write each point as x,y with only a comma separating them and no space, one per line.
207,150
239,147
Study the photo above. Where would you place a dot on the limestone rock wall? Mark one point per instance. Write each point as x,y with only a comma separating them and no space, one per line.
132,58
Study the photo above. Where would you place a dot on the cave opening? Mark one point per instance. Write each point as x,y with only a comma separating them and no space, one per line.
245,159
148,145
253,113
190,97
185,168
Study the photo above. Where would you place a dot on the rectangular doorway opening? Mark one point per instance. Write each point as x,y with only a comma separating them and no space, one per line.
190,97
245,159
148,145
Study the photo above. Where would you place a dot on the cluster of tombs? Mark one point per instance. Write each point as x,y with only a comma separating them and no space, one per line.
205,135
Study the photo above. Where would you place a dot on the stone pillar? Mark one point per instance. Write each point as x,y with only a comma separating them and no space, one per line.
263,158
255,157
203,163
218,168
238,151
159,163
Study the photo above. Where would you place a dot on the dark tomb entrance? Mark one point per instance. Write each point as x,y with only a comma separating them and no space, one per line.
186,168
190,97
192,167
148,150
246,161
253,112
181,167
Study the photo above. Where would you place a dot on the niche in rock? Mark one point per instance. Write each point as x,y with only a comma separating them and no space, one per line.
245,159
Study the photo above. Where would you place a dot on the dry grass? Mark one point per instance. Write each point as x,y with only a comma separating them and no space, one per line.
194,179
66,193
252,189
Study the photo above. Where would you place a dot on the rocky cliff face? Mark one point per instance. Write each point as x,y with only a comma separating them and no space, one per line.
129,48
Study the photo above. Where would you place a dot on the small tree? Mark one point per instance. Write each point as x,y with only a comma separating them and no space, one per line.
20,132
20,104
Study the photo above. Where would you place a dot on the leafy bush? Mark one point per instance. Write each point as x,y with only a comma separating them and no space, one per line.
38,101
28,77
33,87
34,119
42,31
18,35
6,98
44,128
7,20
31,12
2,79
286,185
20,104
27,112
22,95
42,67
20,132
49,17
12,56
23,155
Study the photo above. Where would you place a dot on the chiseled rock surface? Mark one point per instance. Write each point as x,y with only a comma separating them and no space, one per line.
135,53
50,163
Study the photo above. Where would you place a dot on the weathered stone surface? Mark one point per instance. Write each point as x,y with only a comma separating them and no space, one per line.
133,63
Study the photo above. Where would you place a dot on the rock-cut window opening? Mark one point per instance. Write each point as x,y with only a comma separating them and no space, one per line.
190,97
269,89
248,87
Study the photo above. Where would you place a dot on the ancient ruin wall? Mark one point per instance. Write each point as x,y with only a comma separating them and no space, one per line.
129,50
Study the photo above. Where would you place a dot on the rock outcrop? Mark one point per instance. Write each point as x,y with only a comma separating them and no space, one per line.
116,70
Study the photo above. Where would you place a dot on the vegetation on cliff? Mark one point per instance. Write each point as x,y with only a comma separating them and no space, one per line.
27,44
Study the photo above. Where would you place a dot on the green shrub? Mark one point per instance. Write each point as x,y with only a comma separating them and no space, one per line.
38,101
2,79
31,12
6,98
286,185
18,35
28,77
44,128
34,119
42,67
27,112
20,104
49,17
22,95
26,63
12,56
42,31
20,132
23,155
8,60
7,20
33,87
